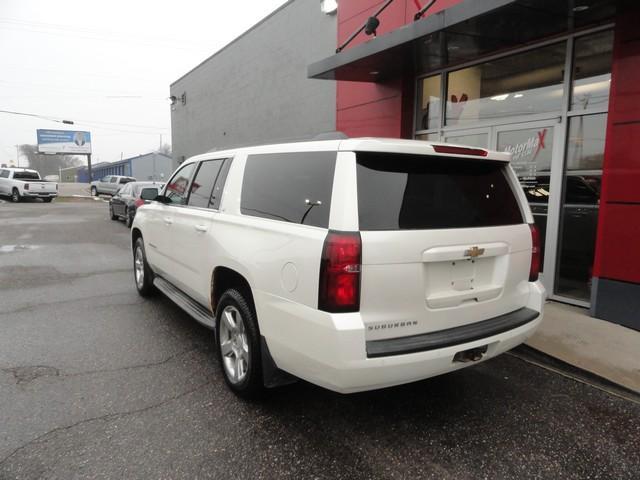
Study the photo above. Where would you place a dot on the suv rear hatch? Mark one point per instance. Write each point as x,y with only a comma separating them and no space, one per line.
444,242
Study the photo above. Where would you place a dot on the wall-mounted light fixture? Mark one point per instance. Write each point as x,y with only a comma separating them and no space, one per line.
173,99
329,7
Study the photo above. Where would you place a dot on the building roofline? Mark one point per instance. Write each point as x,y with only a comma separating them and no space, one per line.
281,7
119,162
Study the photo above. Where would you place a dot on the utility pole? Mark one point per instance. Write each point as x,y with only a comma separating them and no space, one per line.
18,156
89,167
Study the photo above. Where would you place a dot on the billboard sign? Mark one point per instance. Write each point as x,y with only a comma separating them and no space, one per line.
64,141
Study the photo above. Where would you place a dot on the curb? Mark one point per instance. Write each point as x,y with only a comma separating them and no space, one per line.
543,360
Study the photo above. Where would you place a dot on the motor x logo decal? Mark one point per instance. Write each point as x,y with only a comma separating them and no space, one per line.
541,134
529,149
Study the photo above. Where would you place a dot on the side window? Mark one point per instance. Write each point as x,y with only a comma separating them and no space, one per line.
105,179
216,195
4,173
125,180
291,187
176,190
202,184
113,180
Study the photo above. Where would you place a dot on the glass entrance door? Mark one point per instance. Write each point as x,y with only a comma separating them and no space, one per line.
535,150
478,137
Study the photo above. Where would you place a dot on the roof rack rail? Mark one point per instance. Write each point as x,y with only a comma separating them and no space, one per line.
333,135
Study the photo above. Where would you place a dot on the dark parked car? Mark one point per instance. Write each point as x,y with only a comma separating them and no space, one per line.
126,200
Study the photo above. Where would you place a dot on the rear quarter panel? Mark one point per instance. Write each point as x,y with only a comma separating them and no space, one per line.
280,260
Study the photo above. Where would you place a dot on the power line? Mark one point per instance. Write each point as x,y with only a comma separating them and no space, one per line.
51,119
109,34
95,123
67,89
107,38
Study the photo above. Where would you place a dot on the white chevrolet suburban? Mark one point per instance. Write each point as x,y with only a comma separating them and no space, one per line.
19,183
353,264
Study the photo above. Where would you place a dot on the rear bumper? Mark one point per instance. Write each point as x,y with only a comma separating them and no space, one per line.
452,336
39,194
331,350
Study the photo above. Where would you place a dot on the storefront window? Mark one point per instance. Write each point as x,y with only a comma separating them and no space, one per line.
581,199
429,137
523,84
585,144
592,71
471,139
532,151
428,103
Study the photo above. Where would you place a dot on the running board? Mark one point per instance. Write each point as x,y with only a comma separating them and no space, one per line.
185,302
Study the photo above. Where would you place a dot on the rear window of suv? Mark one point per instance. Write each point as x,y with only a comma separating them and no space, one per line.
418,192
290,187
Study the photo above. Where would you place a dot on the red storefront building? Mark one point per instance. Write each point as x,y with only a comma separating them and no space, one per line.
555,82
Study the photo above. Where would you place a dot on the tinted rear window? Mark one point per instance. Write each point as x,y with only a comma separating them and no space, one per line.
139,186
26,176
414,192
291,187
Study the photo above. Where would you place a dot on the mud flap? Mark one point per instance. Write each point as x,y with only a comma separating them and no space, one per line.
272,376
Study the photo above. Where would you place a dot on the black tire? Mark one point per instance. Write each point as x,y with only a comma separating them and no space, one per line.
251,386
111,214
145,285
128,218
15,196
94,192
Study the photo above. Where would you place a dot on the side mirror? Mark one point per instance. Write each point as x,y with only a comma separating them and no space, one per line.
149,194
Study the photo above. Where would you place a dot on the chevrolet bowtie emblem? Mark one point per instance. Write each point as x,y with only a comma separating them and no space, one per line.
473,252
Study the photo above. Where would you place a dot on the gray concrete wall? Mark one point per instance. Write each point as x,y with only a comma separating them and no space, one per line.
256,89
153,166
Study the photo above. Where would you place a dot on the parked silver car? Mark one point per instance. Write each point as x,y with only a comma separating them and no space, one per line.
109,185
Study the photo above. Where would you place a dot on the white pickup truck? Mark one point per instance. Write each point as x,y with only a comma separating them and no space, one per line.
19,183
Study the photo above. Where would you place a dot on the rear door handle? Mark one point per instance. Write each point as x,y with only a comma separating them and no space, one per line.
200,228
168,220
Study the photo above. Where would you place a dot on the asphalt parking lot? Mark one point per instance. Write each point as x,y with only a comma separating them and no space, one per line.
96,382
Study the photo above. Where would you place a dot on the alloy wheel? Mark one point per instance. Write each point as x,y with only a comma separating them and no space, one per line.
139,268
234,345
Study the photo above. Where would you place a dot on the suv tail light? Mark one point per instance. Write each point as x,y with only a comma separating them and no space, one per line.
139,202
534,271
339,290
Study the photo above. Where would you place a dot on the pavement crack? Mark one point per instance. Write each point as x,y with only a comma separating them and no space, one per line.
107,417
28,373
131,367
66,301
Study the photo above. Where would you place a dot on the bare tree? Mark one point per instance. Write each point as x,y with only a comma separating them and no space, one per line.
165,149
47,164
